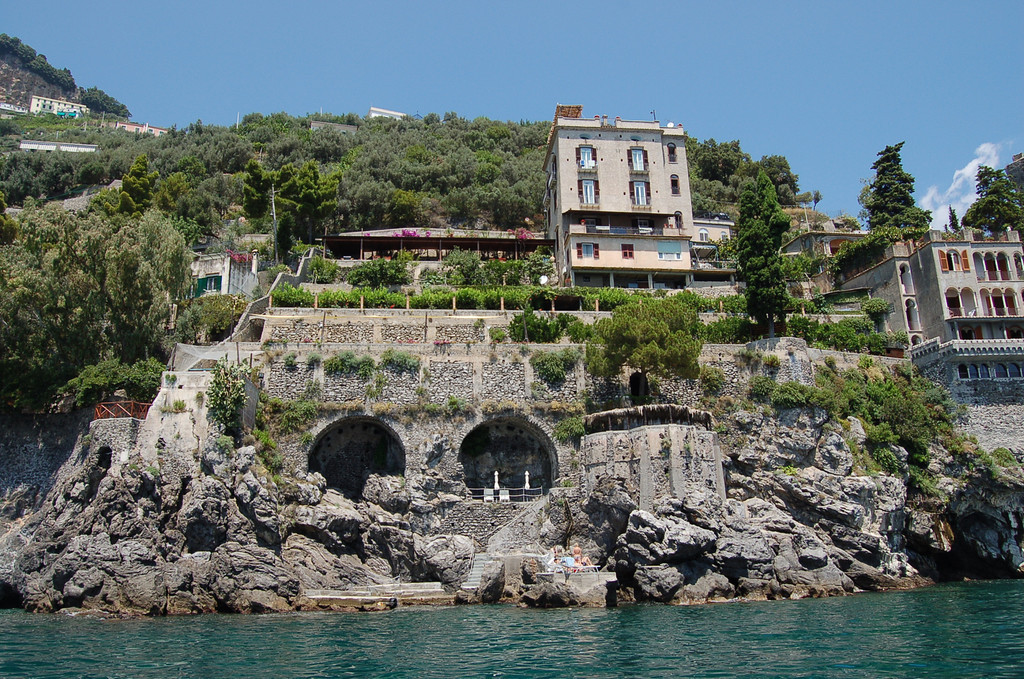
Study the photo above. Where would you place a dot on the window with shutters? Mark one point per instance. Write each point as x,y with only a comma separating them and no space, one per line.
670,249
588,251
586,157
640,193
637,160
588,191
671,153
675,184
627,251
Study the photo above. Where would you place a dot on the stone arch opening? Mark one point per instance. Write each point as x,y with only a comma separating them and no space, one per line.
510,446
639,388
350,450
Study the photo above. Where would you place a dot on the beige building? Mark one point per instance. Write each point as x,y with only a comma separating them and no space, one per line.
140,128
58,106
944,288
618,206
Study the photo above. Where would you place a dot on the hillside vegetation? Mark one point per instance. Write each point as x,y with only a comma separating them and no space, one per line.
96,99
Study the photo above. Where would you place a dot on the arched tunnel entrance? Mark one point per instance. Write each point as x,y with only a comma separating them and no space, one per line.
511,447
352,449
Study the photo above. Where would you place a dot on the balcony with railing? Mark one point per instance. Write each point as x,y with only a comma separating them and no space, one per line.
717,265
627,230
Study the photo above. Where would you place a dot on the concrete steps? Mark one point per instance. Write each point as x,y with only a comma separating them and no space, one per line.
398,589
476,571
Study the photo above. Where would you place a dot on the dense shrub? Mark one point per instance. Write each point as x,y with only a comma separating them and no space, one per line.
347,363
761,388
400,361
578,331
287,295
552,366
529,327
791,395
140,380
570,429
323,270
712,379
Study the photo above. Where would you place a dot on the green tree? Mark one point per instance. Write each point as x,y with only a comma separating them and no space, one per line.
312,196
256,189
889,200
381,273
1000,204
226,396
658,337
8,226
99,101
953,224
761,225
137,190
76,289
462,267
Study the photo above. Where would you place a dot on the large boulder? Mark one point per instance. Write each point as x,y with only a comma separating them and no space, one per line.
251,579
550,595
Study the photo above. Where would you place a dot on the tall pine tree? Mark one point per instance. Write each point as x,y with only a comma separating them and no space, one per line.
761,226
889,201
1000,204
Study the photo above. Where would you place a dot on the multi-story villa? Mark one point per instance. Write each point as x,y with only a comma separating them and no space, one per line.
618,206
48,105
951,288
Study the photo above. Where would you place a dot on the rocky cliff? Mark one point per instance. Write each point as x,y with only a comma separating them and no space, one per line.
161,526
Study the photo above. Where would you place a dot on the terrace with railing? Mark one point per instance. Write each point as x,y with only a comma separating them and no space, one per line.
505,494
132,409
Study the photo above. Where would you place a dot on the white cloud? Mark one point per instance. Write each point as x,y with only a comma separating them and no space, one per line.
961,192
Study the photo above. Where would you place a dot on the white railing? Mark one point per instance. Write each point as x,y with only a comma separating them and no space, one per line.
505,494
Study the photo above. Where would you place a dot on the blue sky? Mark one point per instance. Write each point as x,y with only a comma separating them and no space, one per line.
826,84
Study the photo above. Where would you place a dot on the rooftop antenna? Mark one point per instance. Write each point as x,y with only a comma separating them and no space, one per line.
654,114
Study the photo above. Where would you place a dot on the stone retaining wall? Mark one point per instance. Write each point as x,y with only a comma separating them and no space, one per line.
478,520
450,378
504,381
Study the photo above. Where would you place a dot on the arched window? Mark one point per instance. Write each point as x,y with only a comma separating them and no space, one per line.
1003,264
725,235
679,220
979,266
1015,332
961,371
1011,302
906,280
967,333
674,179
913,320
953,303
703,236
983,370
1000,370
973,371
1015,370
671,153
915,340
1018,264
954,260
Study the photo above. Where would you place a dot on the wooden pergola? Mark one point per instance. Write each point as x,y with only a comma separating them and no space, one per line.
358,247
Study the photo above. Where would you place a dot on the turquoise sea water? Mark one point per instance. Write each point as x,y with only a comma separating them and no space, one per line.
962,630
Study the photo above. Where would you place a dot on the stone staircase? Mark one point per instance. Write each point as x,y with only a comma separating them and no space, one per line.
480,563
